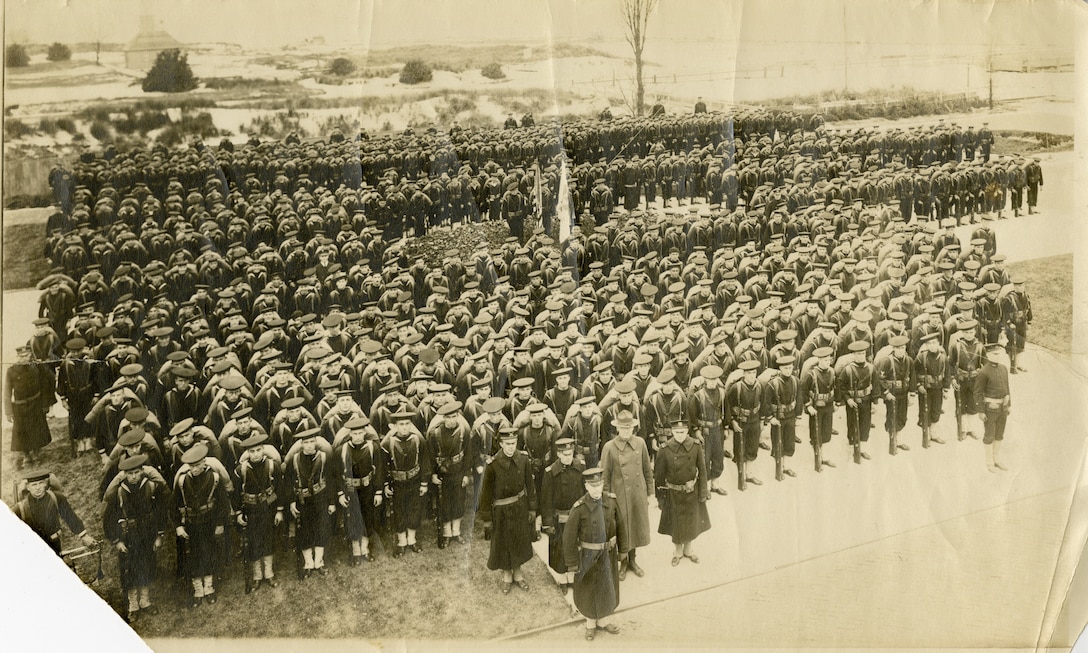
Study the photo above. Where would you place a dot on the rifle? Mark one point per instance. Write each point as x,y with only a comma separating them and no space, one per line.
78,553
247,574
124,572
437,499
893,433
182,568
857,432
959,413
742,481
923,412
817,441
390,516
776,441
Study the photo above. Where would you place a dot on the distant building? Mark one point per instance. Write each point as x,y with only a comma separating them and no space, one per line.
140,54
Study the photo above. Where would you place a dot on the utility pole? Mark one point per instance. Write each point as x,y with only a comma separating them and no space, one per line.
990,70
845,59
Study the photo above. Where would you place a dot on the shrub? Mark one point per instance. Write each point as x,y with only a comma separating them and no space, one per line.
100,129
16,129
342,67
170,74
460,103
200,124
28,201
16,56
414,72
147,120
170,136
492,71
220,83
66,124
58,52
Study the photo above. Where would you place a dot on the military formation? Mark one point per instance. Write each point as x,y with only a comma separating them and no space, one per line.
239,334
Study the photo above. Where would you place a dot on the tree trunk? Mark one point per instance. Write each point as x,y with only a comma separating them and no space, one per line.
640,93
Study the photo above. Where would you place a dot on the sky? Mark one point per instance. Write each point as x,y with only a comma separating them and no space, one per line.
383,23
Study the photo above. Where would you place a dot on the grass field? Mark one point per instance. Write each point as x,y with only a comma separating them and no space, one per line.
436,594
1050,286
24,261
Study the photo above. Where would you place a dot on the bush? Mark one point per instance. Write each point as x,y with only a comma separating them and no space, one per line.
58,52
342,67
101,130
27,201
414,72
16,129
200,124
16,56
66,124
220,83
147,120
492,71
170,74
460,103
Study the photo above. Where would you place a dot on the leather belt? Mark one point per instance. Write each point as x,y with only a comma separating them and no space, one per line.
189,513
451,460
861,393
360,482
509,500
267,496
306,493
20,402
405,476
743,413
598,546
686,487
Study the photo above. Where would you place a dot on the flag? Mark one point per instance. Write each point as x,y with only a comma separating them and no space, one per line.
536,192
565,207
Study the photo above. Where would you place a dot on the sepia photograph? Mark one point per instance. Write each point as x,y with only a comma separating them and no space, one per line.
546,324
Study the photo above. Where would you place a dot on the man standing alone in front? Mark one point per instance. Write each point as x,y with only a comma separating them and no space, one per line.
992,393
508,510
589,545
680,475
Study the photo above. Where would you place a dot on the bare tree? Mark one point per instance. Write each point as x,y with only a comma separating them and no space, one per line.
636,15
